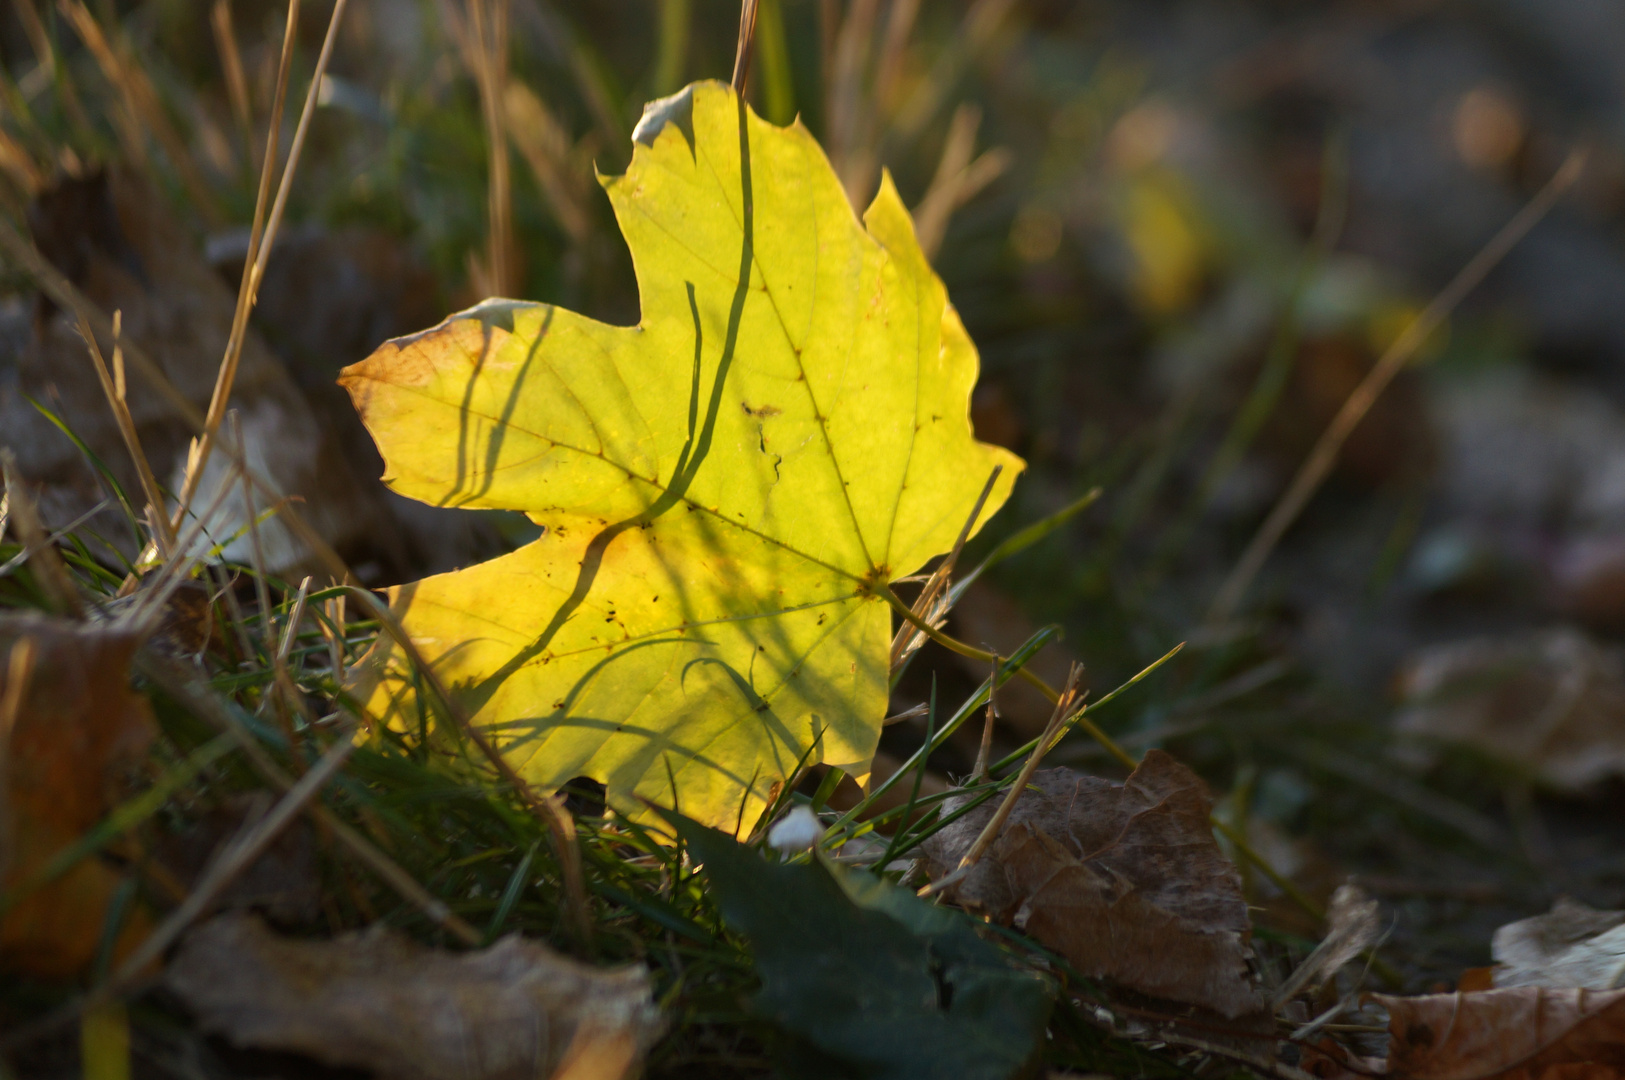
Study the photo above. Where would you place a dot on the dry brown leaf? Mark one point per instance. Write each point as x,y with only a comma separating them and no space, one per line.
1124,880
1571,947
1525,1033
379,1001
77,730
1552,701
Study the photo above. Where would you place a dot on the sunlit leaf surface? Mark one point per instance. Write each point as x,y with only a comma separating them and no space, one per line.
720,486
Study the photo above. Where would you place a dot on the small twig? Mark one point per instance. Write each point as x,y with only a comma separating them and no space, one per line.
1324,456
747,37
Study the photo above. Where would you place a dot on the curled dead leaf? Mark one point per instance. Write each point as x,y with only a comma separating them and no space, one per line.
1571,947
72,731
1524,1033
1124,880
404,1011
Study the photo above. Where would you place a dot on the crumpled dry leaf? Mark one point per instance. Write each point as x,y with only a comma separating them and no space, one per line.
1551,701
1571,947
379,1001
1525,1033
77,729
1124,880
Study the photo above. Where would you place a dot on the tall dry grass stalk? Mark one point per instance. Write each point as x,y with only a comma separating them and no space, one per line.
231,65
958,178
482,36
260,244
144,111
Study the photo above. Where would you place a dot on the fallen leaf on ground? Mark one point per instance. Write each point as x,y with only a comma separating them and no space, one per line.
1526,1033
1571,947
1551,702
870,980
377,1000
75,729
1124,880
724,488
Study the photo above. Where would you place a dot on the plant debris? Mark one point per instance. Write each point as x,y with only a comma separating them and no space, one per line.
1124,880
1571,947
377,1000
1525,1033
71,734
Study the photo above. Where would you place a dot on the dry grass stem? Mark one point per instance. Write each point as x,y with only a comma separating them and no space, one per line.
187,688
848,115
1323,457
34,30
20,165
977,33
935,600
225,378
958,178
244,849
231,65
260,251
114,389
545,145
169,575
333,630
1065,705
742,51
889,69
141,99
984,753
485,51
